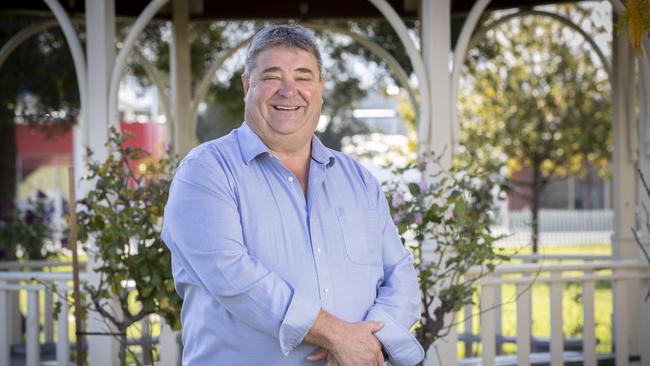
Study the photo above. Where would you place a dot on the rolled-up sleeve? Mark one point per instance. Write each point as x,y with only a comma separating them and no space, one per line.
398,298
202,227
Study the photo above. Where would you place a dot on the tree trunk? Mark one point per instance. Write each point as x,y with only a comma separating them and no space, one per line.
7,174
123,345
534,207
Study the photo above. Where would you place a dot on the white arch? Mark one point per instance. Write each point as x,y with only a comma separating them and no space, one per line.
202,88
23,35
601,56
395,67
157,80
398,25
383,55
77,54
121,60
459,58
462,46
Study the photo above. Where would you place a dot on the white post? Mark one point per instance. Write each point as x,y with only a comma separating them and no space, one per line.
62,342
170,354
185,128
588,323
557,337
4,319
524,321
644,199
622,323
100,50
435,16
436,50
33,348
48,312
488,329
624,187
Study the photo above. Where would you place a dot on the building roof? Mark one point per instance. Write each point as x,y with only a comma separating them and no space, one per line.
263,9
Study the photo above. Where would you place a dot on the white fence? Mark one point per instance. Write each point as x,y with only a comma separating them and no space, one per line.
621,274
42,290
36,285
556,227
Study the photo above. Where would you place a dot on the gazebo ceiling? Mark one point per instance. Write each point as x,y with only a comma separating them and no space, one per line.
263,9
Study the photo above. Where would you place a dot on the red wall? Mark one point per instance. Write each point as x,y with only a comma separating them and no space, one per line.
47,145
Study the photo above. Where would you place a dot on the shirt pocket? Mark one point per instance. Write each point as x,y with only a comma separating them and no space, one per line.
361,235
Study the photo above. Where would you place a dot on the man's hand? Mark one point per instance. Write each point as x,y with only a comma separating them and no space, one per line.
357,345
351,344
323,354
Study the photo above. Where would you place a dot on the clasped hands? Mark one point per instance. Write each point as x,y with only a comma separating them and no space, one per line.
345,344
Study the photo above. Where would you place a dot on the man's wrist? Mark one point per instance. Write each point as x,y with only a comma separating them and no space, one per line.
324,330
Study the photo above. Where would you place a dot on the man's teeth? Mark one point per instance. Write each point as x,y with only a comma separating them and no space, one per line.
283,108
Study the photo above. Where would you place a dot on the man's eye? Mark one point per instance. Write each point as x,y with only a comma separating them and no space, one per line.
271,77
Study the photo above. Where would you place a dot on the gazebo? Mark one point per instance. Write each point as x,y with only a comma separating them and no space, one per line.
447,29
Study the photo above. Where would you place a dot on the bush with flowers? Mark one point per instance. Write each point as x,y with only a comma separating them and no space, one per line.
444,218
122,214
25,233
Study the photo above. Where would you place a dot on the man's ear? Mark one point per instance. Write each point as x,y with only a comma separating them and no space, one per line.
246,82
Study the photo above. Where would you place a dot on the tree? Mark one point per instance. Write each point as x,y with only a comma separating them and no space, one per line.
444,219
31,93
538,99
123,214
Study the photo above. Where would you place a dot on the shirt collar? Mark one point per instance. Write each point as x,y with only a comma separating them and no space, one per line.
251,146
320,153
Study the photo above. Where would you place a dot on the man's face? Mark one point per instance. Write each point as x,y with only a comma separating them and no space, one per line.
283,95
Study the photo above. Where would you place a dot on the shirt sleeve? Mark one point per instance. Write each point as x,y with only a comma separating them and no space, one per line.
202,227
398,298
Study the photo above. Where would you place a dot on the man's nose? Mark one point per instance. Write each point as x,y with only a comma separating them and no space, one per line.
287,88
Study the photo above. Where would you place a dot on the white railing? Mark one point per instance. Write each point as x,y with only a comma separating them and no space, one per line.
35,285
37,280
556,227
621,273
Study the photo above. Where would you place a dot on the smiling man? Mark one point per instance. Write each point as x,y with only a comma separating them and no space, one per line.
283,250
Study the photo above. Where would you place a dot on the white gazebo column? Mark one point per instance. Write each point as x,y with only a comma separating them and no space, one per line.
436,51
627,309
435,16
185,126
100,16
644,199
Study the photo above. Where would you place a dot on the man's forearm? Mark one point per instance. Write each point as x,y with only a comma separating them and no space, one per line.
324,330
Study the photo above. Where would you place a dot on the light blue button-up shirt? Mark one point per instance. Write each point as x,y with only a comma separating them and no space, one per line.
255,261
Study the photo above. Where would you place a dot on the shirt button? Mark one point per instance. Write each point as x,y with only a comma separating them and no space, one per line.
326,290
290,179
318,250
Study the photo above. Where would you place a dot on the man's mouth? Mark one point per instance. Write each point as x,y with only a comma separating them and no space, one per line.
285,108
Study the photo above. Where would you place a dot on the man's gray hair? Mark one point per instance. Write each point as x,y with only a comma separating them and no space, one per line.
287,35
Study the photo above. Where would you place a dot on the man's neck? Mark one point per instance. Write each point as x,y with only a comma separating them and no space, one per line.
297,161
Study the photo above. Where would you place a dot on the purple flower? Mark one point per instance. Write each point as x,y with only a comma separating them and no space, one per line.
418,218
397,200
397,218
30,217
423,186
